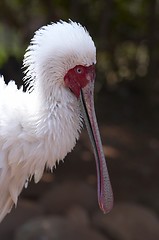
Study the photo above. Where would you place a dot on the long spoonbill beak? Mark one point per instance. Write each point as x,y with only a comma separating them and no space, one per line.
105,194
80,80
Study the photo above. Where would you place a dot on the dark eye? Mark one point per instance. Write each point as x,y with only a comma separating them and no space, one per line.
79,70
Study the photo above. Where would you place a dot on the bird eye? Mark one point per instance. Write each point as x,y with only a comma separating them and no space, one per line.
79,70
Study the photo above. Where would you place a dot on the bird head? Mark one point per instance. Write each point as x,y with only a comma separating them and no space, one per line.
54,50
64,55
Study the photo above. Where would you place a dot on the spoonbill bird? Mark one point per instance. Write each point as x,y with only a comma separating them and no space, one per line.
40,126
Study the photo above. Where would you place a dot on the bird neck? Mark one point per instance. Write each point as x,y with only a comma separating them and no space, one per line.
58,122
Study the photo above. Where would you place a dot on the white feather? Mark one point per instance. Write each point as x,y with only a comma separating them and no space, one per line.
40,126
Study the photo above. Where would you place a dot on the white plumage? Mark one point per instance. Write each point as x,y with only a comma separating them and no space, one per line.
40,126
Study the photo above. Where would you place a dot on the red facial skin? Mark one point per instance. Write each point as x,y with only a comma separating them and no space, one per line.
78,77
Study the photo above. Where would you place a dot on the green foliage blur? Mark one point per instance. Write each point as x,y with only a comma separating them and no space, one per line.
126,34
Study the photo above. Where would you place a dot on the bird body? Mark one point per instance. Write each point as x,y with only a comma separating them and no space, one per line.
40,126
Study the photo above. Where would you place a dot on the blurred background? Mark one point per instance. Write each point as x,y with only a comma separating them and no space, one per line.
64,204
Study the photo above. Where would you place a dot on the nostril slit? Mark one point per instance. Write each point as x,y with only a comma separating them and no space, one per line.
88,77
